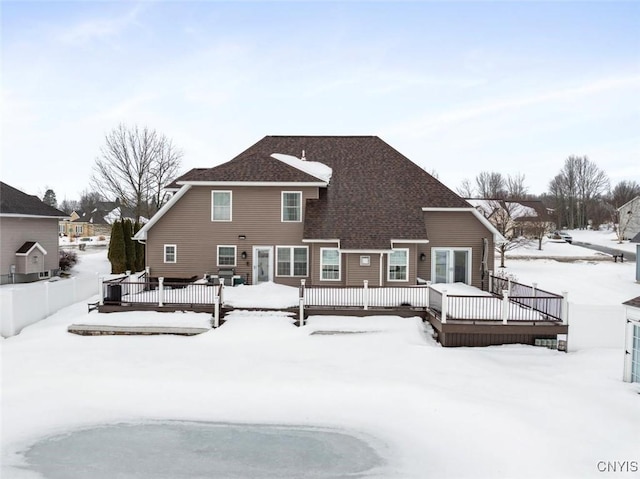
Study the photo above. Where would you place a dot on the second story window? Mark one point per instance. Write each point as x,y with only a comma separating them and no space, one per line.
221,203
292,206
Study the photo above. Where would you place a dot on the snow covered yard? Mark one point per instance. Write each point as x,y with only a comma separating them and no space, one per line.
511,411
508,411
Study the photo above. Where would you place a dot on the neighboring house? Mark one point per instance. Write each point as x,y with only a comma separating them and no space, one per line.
65,226
332,211
530,218
28,237
629,219
632,343
96,222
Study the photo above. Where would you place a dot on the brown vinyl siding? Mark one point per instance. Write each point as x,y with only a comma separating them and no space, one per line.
256,214
356,274
456,229
17,231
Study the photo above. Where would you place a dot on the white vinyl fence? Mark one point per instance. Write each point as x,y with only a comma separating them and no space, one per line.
596,326
25,304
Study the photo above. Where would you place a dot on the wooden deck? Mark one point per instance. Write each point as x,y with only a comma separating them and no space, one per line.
455,333
508,313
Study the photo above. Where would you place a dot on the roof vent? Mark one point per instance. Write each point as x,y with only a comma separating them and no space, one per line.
303,157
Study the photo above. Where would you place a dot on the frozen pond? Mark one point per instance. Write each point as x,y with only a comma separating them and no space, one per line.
202,450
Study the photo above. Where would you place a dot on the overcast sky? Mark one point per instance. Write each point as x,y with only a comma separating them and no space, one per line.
457,87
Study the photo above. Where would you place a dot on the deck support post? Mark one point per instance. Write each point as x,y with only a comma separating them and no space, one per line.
491,281
534,286
445,302
101,290
221,290
428,291
161,291
505,305
301,303
564,313
216,311
365,294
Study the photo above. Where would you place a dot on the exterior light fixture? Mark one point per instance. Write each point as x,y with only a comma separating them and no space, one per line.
423,257
242,237
243,255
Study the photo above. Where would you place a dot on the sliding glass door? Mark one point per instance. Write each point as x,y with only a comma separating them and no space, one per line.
449,265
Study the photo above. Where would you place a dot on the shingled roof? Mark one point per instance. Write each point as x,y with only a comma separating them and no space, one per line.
376,194
635,302
15,202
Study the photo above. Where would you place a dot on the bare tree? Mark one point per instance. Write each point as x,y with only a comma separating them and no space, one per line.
579,185
466,189
624,192
592,183
504,218
89,201
69,206
491,185
515,187
133,166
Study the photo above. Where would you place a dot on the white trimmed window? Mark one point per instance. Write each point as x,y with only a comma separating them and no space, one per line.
79,229
329,264
226,255
170,253
61,228
221,205
398,265
291,206
292,260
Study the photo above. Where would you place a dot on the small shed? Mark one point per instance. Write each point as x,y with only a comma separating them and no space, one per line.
30,258
632,341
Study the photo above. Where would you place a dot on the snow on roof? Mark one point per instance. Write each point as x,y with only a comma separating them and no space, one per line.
487,207
313,168
518,210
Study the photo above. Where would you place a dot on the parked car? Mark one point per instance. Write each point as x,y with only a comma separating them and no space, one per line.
563,235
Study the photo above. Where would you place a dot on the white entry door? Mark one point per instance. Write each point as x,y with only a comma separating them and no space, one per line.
262,264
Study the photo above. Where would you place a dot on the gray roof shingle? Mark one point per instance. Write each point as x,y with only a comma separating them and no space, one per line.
15,202
635,302
376,194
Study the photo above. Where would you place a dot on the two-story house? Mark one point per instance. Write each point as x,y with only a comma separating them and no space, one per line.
332,210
